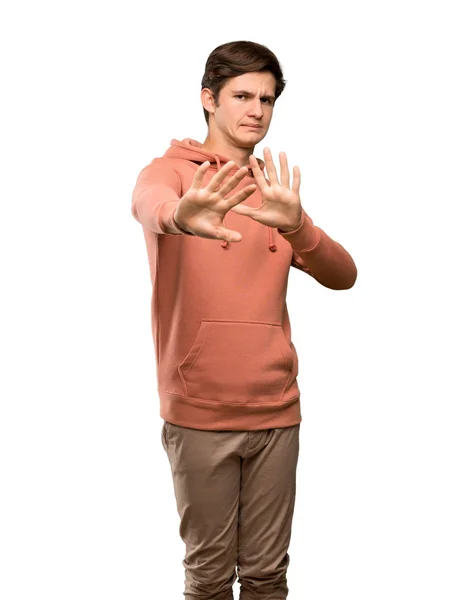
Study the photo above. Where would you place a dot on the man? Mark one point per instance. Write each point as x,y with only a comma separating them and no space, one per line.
221,239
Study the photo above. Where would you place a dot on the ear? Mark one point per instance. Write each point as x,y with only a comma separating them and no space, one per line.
207,100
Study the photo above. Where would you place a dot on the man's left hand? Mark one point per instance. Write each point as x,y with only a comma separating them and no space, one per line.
281,206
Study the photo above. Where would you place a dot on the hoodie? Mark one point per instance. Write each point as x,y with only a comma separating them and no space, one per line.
224,355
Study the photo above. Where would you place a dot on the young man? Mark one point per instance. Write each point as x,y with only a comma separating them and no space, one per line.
221,239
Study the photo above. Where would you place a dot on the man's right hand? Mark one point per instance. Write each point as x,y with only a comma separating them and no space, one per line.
201,210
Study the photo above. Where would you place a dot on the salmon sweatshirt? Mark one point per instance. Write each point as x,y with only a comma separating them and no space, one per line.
225,359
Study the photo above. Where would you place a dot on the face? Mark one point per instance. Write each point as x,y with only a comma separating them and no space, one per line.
244,100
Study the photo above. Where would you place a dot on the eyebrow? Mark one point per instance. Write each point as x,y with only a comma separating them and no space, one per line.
252,95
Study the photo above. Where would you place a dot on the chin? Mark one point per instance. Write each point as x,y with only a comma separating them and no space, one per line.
251,138
247,143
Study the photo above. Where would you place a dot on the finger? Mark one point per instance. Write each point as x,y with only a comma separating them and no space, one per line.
247,211
240,196
284,169
228,234
242,209
233,181
199,174
215,181
297,180
257,173
220,232
270,166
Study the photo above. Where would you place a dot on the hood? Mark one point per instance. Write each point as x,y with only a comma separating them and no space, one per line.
192,150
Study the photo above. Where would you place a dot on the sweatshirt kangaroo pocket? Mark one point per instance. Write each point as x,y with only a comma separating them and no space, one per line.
237,361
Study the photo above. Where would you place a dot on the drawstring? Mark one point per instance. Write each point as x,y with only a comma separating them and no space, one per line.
224,243
272,245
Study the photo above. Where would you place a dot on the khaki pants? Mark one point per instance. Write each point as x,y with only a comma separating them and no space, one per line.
235,495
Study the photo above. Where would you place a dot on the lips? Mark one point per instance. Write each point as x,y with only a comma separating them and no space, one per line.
253,126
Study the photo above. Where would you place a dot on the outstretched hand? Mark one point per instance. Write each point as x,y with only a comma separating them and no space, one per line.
281,206
202,208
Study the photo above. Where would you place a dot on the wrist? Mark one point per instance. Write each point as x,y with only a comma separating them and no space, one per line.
179,226
295,226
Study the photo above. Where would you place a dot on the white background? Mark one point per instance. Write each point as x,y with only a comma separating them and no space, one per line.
92,92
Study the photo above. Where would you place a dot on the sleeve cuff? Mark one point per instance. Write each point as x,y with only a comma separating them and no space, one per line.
166,220
305,237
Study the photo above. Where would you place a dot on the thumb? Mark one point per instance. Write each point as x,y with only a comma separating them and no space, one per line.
227,234
247,211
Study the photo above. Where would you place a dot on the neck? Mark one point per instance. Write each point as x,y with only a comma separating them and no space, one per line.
241,156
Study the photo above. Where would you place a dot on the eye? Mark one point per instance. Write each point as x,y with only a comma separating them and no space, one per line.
267,101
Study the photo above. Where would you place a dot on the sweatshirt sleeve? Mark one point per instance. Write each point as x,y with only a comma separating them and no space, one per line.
315,253
155,198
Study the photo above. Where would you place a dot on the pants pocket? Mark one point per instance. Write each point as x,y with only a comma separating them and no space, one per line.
238,361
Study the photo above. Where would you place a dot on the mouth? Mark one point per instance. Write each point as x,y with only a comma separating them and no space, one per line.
253,126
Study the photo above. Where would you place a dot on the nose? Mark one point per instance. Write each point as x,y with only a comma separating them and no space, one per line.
256,110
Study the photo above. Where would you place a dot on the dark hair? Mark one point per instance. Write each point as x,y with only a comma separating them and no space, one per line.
236,58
